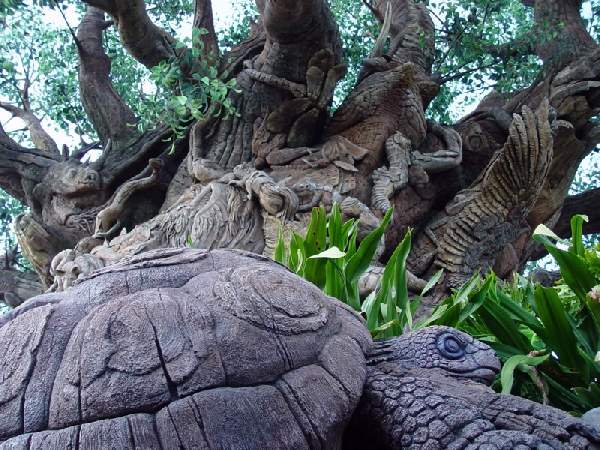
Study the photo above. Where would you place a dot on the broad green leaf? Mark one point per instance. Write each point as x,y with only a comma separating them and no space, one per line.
577,234
508,370
334,280
400,294
361,260
335,232
330,253
557,332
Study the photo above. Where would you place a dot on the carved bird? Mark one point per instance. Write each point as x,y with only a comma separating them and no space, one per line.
485,220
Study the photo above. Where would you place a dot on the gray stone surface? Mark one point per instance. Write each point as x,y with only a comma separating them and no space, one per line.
181,349
425,390
592,417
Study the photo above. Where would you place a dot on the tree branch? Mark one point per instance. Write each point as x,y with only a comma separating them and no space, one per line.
203,19
145,41
40,138
21,168
586,203
107,111
411,32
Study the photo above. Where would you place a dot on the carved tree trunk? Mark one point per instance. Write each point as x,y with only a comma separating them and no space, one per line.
473,192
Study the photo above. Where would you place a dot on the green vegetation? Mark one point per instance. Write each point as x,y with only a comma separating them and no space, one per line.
329,257
548,338
179,98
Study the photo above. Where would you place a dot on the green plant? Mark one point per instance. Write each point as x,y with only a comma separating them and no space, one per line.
188,87
329,257
548,338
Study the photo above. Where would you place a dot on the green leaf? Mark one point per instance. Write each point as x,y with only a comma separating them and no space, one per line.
577,234
334,280
501,325
400,293
508,370
557,333
432,282
330,253
361,260
572,268
280,254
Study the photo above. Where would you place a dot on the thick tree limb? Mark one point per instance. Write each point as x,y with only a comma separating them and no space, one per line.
21,168
203,19
107,111
40,138
586,203
411,32
145,41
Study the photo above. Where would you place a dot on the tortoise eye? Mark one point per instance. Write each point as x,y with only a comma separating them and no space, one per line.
450,346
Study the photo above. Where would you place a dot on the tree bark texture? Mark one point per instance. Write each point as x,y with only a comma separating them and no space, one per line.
473,191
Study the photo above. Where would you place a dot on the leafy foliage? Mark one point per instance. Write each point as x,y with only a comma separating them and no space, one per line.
329,257
181,97
549,338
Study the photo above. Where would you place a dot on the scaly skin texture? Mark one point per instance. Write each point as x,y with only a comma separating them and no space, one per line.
424,391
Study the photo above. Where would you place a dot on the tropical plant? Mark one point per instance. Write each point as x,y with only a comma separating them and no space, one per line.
329,257
548,338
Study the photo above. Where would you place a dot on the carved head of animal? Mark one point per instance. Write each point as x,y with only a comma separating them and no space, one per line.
71,178
442,349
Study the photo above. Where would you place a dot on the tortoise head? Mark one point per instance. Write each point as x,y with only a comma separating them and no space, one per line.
444,349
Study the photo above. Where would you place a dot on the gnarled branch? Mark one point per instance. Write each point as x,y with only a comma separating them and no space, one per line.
203,19
146,42
40,137
111,117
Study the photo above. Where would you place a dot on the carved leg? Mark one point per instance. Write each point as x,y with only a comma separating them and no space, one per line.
386,181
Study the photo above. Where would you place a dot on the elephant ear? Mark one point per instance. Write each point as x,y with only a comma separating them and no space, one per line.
477,231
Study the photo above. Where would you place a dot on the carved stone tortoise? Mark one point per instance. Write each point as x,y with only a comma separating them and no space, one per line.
227,350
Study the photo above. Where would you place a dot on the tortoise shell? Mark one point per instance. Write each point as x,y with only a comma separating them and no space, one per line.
181,349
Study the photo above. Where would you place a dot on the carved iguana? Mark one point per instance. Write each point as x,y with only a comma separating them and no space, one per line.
297,123
481,226
409,165
426,390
